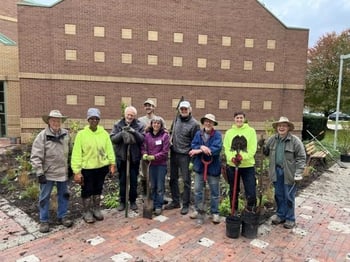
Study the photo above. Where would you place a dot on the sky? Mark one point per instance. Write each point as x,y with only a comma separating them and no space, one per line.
319,16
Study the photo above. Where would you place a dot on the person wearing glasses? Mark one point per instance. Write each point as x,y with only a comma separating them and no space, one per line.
92,159
184,128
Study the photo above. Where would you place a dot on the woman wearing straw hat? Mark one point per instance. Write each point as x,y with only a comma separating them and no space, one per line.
287,160
49,159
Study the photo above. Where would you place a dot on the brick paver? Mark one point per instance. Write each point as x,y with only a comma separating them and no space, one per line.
322,234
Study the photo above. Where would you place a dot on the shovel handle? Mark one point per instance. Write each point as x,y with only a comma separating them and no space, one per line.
206,164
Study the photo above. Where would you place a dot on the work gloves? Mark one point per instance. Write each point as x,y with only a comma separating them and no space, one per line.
128,129
128,137
148,157
42,179
236,160
79,179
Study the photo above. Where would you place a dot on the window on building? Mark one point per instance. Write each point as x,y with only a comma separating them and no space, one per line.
201,62
270,66
99,57
223,104
200,103
126,58
225,64
248,65
126,33
267,105
99,31
249,42
152,60
226,40
152,36
71,55
70,29
202,39
245,105
71,99
126,100
177,61
271,44
178,37
100,100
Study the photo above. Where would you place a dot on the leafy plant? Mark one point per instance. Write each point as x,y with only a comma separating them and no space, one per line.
344,139
31,192
111,200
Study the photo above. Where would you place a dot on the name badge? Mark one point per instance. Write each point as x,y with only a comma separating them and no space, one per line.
158,142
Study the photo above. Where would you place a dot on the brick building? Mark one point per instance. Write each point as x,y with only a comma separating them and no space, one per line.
222,56
9,82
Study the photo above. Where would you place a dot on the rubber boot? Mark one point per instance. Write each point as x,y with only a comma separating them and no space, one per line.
87,214
96,210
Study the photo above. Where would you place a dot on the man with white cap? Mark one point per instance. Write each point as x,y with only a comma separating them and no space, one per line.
49,159
287,161
185,126
149,106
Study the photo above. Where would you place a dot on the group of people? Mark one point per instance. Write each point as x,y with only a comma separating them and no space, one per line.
142,146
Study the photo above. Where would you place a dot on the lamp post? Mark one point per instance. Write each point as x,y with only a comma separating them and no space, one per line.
342,57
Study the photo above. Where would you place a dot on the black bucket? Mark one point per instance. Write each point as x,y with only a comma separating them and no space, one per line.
250,224
233,226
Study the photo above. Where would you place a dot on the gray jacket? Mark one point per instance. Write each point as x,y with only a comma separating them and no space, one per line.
294,157
49,155
183,132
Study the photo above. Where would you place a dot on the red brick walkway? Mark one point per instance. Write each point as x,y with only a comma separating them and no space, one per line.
322,234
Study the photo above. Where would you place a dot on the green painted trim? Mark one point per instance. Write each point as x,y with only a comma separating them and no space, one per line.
41,3
6,41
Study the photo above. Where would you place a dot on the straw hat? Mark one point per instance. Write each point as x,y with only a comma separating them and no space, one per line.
54,114
210,117
283,119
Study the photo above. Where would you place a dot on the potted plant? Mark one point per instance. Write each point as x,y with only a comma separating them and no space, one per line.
344,142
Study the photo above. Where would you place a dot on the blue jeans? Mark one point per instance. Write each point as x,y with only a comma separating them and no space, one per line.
180,161
284,197
214,186
157,178
249,182
134,172
44,199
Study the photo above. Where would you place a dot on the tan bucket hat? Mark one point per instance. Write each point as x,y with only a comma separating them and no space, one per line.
54,114
283,119
210,117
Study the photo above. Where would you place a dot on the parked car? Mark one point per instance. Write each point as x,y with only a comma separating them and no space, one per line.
342,116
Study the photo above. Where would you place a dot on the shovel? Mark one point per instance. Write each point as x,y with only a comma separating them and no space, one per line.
127,181
147,204
202,207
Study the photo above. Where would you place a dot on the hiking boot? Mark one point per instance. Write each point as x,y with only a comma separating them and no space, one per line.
44,227
133,206
194,214
121,207
289,224
298,177
158,211
172,205
184,210
277,220
65,221
216,219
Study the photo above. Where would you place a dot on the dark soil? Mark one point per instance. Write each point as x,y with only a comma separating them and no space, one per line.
11,190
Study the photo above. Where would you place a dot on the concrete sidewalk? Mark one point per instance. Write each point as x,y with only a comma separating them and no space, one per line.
322,234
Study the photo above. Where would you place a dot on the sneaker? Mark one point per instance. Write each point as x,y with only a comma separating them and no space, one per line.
289,224
216,219
298,177
194,214
44,227
133,206
65,221
121,207
184,210
277,220
172,205
158,211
